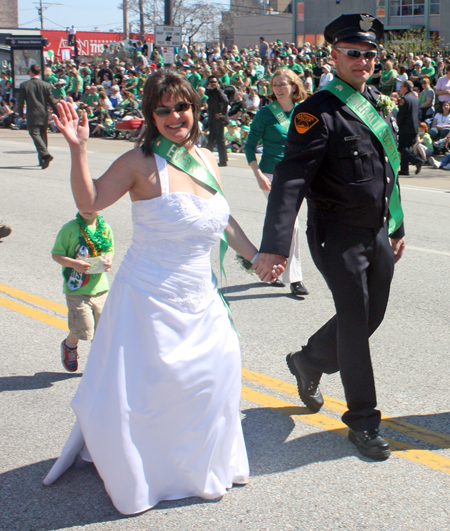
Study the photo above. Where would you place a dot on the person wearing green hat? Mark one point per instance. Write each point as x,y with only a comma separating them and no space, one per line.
233,138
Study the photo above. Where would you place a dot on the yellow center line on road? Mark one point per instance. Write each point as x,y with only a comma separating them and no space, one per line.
34,299
402,426
35,314
412,453
406,451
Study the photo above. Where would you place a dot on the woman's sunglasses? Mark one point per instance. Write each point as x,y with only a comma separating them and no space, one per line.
181,106
354,54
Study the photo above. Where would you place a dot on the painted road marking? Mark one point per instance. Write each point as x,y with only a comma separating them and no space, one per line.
402,426
34,299
35,314
407,451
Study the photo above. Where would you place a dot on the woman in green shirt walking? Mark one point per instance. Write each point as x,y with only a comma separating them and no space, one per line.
270,126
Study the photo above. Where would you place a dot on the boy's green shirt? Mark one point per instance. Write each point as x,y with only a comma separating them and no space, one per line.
68,243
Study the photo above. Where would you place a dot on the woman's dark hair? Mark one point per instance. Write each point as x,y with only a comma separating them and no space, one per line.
167,82
441,106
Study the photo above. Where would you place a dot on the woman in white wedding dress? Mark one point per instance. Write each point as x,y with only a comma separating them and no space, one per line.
158,405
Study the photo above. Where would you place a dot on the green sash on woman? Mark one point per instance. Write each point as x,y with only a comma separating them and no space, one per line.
280,115
182,159
369,116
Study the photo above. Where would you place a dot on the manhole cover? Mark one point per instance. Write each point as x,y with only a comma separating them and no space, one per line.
20,152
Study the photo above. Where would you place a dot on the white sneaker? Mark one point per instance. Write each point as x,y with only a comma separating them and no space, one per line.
446,167
433,162
440,142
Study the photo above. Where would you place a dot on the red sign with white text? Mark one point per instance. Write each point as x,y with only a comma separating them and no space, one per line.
88,42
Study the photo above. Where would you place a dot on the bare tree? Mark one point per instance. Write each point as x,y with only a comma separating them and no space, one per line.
196,18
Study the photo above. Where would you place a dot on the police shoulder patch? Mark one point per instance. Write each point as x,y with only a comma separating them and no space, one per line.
401,101
304,121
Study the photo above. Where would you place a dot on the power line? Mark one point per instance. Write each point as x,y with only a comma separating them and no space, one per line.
48,20
29,22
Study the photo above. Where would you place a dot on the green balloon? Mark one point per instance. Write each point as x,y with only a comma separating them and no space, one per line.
50,53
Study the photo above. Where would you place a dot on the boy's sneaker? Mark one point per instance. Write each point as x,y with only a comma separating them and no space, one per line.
69,357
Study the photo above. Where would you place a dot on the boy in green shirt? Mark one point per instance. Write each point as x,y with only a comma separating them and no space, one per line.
84,244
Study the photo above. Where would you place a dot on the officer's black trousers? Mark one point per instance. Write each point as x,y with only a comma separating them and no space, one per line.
358,265
216,135
405,142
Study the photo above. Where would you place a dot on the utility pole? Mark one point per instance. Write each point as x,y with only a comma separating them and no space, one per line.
41,14
126,33
168,12
141,19
42,7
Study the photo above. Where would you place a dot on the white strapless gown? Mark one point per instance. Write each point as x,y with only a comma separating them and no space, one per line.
158,405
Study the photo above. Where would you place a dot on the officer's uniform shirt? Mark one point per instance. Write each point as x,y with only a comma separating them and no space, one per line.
334,160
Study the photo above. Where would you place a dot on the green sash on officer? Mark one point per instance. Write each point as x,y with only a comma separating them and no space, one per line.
367,113
280,115
182,159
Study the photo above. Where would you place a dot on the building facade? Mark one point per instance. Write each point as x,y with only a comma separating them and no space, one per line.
397,15
9,14
246,9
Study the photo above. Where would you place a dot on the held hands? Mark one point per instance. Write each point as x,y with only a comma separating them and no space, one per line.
75,131
269,266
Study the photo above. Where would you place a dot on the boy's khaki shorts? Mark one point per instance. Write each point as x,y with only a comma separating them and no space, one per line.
84,313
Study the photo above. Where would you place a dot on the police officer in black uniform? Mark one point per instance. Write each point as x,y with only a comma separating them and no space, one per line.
334,160
408,125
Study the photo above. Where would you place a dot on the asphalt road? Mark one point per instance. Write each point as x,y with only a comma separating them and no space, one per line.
305,474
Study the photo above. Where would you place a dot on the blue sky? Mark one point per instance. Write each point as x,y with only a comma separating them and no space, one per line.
85,15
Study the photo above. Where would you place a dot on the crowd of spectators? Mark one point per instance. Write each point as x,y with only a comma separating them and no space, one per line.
110,87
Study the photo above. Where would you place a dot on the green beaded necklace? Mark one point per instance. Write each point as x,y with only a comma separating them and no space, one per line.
97,240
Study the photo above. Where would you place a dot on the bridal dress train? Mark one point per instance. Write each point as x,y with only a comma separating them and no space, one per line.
158,405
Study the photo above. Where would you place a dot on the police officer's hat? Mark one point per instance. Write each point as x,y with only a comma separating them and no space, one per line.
354,28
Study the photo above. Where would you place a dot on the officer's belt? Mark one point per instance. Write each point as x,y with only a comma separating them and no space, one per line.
369,116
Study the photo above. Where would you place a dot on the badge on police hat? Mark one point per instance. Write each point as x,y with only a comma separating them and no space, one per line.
366,22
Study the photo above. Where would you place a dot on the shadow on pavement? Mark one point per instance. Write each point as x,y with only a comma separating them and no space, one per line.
20,167
78,498
269,452
40,380
280,292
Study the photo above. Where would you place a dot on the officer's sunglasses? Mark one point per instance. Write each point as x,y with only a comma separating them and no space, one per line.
181,106
354,54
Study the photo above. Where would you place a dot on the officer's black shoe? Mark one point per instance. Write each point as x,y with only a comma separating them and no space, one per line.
277,284
222,164
298,289
403,173
370,444
307,382
419,166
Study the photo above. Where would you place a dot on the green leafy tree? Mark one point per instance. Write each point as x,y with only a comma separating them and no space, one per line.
412,41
